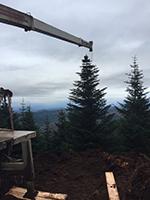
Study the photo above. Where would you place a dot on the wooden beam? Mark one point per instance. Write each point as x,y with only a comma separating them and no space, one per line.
111,186
19,192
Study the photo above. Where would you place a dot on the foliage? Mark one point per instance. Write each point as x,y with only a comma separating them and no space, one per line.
24,120
46,136
135,112
88,117
61,139
4,115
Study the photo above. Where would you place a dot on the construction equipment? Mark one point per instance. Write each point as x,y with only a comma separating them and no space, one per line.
9,166
5,93
28,23
10,137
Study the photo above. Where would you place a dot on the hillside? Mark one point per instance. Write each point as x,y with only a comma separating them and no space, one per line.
82,175
41,115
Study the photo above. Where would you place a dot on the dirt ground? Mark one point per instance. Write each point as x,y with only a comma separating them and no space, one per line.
81,175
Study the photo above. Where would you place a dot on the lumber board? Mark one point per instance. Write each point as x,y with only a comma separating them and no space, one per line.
19,192
111,186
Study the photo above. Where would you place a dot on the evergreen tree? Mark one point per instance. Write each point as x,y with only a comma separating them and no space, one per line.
16,118
135,112
87,111
61,140
4,115
46,135
29,120
26,119
21,118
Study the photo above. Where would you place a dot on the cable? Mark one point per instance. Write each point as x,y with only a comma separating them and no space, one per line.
91,56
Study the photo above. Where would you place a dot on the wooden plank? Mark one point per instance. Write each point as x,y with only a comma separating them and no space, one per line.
111,186
19,192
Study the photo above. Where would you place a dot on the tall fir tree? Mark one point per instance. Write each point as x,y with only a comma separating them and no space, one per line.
135,112
88,114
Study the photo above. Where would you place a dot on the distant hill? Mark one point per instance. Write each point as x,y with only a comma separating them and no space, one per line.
115,112
41,115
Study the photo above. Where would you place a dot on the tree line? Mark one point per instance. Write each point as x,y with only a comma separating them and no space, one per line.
87,122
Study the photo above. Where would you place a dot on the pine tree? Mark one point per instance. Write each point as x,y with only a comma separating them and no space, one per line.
29,123
61,140
16,118
46,135
135,112
26,119
87,111
21,117
4,115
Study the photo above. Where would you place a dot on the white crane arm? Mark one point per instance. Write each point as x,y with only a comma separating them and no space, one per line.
27,22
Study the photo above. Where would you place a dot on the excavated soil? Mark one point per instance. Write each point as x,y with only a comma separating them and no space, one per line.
82,175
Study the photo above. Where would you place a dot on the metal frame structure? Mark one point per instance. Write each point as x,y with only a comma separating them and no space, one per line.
8,138
25,166
27,22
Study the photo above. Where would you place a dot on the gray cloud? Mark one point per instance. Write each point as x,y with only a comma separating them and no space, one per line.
40,89
119,29
11,68
115,80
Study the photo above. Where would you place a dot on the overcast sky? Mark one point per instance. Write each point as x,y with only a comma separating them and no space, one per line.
41,69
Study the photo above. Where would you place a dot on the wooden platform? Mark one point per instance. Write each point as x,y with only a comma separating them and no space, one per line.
19,192
14,137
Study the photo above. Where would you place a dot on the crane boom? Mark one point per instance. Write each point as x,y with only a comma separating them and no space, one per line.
27,22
